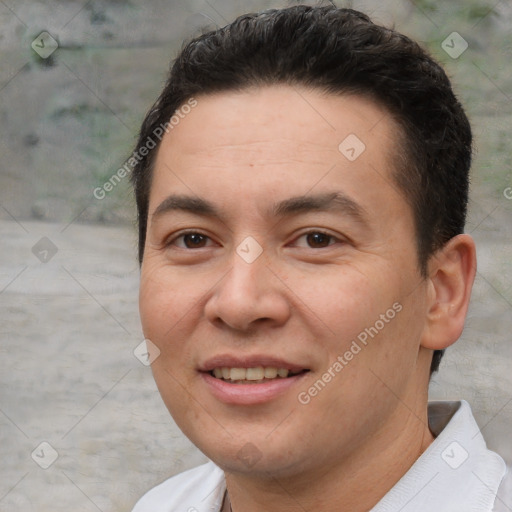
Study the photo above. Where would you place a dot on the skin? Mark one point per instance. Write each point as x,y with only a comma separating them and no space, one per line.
300,301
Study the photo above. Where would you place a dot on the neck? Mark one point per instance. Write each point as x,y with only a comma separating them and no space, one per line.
356,483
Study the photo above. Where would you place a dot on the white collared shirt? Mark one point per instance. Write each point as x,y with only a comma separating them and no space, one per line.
456,473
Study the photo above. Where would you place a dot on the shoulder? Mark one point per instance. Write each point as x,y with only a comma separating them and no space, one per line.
200,489
503,501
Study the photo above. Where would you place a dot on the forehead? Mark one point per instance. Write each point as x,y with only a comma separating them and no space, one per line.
272,141
292,117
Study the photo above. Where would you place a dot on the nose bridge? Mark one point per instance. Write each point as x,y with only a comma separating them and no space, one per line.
248,293
247,279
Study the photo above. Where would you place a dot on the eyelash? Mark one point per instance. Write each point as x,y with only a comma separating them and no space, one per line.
332,238
183,234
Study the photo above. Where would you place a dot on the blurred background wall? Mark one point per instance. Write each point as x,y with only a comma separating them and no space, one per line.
81,424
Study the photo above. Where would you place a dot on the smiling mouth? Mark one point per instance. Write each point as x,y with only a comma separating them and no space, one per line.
256,375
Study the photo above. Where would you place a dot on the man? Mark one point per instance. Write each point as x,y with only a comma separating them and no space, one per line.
303,268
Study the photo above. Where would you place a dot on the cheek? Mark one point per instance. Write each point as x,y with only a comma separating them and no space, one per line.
171,306
162,304
166,320
342,300
164,294
363,315
155,306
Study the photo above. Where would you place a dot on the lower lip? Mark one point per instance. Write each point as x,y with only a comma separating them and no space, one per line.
249,394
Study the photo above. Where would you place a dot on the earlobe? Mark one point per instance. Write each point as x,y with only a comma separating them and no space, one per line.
451,274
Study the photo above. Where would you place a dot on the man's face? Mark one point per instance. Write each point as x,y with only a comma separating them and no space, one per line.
269,246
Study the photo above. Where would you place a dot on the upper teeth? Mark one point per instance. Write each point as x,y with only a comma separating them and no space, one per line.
256,373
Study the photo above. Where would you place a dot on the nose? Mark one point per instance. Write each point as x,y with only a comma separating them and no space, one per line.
249,295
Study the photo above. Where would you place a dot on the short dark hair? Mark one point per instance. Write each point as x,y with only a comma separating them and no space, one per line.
337,51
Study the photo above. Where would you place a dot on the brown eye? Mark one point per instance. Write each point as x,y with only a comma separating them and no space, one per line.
194,240
318,240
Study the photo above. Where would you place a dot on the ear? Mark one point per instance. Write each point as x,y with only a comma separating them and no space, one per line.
451,274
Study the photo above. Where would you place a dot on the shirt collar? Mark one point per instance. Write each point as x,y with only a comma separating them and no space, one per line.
456,473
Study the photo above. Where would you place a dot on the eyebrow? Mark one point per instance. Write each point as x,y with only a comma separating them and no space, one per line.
185,203
331,201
